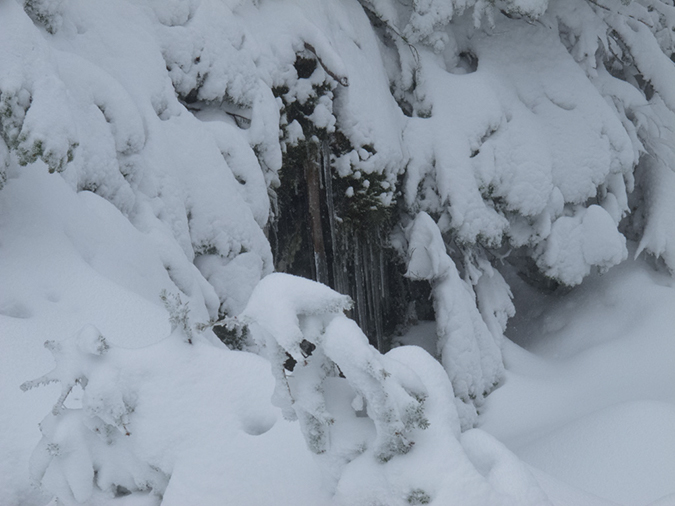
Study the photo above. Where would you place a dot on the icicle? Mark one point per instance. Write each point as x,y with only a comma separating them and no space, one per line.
376,297
383,277
360,281
370,303
338,266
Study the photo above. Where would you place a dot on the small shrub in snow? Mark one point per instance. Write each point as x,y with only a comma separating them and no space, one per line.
235,337
404,451
45,12
293,317
418,496
85,452
179,314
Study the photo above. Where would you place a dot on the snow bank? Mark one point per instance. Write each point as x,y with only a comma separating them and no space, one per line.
598,397
72,259
382,427
606,451
163,120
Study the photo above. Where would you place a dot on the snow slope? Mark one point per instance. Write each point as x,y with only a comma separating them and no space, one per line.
592,400
155,197
197,424
590,406
54,282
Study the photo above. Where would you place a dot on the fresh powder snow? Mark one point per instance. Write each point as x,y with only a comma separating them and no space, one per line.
480,191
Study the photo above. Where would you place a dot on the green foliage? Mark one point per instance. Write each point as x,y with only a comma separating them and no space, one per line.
398,443
316,433
4,163
414,414
28,152
13,107
418,496
235,337
367,200
46,13
179,312
28,146
360,199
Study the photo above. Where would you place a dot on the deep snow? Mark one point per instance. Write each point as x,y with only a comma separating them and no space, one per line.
590,406
158,197
591,398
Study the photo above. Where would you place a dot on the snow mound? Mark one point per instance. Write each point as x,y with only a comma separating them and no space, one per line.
598,393
381,427
624,452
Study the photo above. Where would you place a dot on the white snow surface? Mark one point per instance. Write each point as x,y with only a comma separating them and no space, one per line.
592,413
592,400
381,426
112,191
588,400
191,425
195,423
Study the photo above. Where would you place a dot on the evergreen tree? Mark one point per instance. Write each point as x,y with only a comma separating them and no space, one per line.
526,135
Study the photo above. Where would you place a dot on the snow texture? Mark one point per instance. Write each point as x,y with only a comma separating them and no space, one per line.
140,150
469,351
394,418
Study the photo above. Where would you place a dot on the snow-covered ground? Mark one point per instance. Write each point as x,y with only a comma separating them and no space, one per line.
590,406
156,198
70,259
590,400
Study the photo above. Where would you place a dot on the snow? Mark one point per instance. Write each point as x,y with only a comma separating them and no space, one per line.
581,241
588,399
627,441
659,235
54,286
591,402
139,154
280,300
441,467
468,349
160,425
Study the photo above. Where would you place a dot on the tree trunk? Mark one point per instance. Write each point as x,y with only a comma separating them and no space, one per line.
312,177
